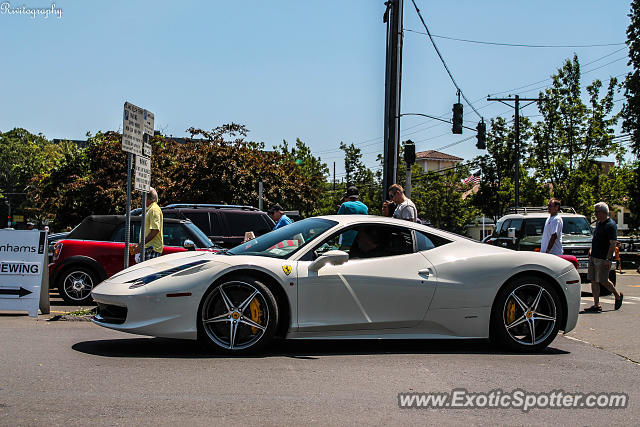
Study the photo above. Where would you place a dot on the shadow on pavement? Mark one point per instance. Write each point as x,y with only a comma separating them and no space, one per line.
299,349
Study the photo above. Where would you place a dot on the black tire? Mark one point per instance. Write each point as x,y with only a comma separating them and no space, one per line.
76,283
604,292
517,323
237,316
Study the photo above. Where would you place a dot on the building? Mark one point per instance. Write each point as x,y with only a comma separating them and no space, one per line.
434,161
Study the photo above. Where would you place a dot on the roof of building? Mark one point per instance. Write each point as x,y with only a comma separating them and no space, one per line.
436,155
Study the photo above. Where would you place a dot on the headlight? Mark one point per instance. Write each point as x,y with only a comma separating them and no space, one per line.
136,283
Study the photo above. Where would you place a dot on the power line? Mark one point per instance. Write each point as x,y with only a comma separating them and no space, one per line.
442,59
516,44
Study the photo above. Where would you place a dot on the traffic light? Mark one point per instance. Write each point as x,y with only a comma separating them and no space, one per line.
457,118
482,135
409,152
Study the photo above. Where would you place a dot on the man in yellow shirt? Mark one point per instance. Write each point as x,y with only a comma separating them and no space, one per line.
152,228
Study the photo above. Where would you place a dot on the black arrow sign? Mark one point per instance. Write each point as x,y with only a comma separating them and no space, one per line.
20,292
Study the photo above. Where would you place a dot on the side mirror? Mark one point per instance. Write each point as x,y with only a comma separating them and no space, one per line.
331,257
511,232
189,245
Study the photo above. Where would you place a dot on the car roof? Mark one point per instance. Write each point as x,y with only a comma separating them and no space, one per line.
101,227
539,215
376,219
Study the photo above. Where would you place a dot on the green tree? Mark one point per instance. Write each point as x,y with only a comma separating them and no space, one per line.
572,134
631,111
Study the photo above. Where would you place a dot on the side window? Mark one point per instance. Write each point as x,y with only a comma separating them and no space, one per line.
200,219
517,224
426,241
118,234
241,222
174,234
505,226
370,242
533,226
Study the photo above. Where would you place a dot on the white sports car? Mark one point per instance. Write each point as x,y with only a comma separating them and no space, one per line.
348,276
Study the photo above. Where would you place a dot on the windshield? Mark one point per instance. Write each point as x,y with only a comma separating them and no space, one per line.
284,241
576,225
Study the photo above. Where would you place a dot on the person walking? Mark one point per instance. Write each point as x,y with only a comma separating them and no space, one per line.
405,208
353,206
153,240
552,233
276,213
600,255
617,256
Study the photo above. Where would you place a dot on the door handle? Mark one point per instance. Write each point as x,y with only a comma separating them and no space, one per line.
424,272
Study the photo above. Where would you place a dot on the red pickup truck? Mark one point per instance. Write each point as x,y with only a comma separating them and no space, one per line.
94,251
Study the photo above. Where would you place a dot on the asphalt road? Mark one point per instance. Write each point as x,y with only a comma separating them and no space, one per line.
76,373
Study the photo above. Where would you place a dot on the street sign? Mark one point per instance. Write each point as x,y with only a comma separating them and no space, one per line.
148,122
143,174
21,269
132,129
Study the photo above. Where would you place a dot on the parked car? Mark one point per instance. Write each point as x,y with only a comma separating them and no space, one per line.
225,225
397,279
521,230
94,250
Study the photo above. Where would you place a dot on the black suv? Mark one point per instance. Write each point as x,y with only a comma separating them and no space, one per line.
225,225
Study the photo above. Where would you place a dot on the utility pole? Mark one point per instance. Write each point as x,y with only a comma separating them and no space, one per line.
517,100
393,76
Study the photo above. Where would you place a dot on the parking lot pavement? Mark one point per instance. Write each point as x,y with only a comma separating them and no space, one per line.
613,331
76,373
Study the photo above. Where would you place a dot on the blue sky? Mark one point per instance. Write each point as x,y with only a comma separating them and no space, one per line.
311,69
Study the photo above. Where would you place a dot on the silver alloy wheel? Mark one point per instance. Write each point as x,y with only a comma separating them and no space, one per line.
78,285
529,314
227,316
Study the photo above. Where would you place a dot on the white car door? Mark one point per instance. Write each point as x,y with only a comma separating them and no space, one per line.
389,288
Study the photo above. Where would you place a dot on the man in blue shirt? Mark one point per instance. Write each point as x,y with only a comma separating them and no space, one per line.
278,216
353,206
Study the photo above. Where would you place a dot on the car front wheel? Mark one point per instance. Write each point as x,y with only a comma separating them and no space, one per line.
76,284
527,315
239,315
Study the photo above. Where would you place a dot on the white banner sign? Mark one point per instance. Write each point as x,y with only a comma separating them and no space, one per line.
143,174
22,260
132,129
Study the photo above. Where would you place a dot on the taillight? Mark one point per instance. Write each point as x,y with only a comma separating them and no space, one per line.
57,249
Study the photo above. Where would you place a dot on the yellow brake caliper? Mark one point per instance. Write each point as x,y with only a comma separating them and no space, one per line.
511,312
256,314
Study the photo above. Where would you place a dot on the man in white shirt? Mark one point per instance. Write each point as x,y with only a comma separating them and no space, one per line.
405,208
552,234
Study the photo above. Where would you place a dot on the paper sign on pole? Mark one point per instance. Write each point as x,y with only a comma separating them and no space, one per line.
22,260
148,124
132,129
143,174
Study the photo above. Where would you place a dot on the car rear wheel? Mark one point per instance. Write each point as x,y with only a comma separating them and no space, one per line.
237,316
76,284
527,315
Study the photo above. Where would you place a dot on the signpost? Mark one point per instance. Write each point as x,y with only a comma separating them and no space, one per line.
137,126
24,256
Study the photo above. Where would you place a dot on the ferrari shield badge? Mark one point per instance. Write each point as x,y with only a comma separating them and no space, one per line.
286,269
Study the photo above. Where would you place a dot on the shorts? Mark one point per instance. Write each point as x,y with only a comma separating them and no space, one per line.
598,270
149,253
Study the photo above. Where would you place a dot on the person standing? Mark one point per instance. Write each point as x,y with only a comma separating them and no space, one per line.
600,255
552,233
405,208
278,216
153,241
617,256
353,206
